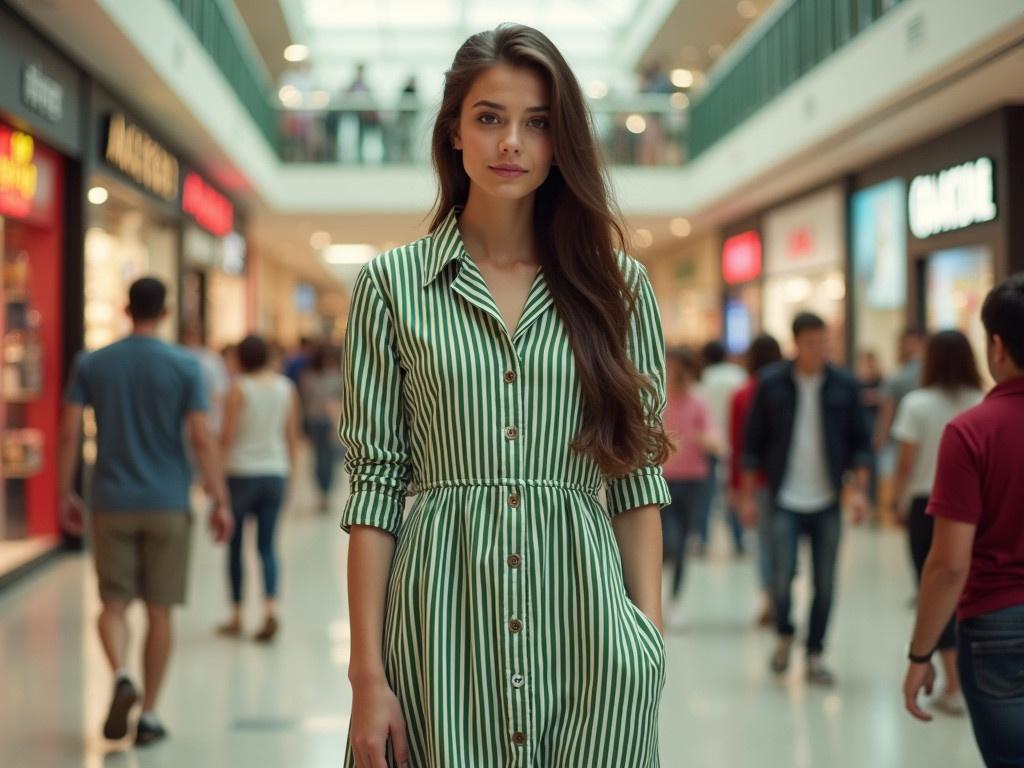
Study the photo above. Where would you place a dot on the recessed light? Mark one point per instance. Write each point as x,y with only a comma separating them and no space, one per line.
98,195
636,124
296,52
597,89
644,238
682,78
679,101
680,227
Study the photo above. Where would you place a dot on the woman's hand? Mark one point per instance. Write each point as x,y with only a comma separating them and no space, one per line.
376,717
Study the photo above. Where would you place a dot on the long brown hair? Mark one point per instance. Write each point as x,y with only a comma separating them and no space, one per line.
577,229
949,362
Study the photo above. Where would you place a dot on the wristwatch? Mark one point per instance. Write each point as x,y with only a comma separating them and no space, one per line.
918,659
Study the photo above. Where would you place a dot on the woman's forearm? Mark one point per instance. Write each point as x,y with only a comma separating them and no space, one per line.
370,552
638,533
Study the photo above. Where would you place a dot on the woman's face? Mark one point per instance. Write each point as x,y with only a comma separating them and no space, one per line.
504,132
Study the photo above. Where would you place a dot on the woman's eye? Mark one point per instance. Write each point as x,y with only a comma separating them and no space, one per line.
488,119
539,122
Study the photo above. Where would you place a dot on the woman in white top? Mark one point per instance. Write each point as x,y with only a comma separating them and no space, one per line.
950,385
261,433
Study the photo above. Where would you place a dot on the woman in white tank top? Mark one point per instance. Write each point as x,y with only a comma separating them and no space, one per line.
260,439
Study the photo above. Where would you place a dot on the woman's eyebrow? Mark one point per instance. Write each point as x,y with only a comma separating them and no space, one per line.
501,107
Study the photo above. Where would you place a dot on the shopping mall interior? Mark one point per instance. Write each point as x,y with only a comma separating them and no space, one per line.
862,160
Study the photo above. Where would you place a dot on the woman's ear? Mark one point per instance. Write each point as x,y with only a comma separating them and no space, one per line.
456,141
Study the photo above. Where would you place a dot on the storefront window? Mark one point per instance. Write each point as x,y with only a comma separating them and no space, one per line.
957,282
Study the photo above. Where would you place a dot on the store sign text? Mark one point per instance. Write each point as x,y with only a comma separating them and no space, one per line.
741,258
135,153
211,210
19,175
42,94
953,199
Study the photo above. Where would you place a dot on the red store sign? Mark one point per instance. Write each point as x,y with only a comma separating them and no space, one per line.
211,210
26,177
741,258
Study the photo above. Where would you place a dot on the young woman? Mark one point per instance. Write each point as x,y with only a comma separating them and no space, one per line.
320,389
689,423
950,385
764,350
261,434
507,366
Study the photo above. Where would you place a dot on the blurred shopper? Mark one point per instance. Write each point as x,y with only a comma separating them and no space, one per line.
215,375
902,383
976,562
144,393
229,354
320,390
764,351
688,422
408,111
507,366
261,438
869,376
296,363
720,380
805,431
368,119
950,385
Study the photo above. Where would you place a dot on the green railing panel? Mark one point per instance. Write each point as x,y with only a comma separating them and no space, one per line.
797,40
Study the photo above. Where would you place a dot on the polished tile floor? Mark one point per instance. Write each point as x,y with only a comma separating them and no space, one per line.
231,704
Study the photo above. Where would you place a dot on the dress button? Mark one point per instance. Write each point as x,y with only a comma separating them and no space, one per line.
515,626
513,501
511,433
514,561
518,681
519,738
510,376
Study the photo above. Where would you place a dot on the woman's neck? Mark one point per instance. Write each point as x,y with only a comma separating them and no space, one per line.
498,231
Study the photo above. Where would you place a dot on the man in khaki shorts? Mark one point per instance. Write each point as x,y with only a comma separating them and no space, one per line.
145,394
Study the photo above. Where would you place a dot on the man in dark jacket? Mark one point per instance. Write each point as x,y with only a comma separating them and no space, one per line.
806,430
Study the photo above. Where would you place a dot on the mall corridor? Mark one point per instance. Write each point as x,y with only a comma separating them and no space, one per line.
236,703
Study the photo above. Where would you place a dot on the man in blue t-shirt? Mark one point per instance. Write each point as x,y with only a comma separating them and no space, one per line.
144,393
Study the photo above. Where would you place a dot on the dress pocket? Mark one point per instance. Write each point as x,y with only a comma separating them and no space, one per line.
999,667
649,630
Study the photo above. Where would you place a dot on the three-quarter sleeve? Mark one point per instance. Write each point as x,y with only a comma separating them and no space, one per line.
646,345
373,426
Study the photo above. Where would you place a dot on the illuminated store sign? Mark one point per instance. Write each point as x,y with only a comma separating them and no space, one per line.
42,94
953,199
19,175
741,258
211,210
136,154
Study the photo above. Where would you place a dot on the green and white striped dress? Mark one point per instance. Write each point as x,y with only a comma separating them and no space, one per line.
509,638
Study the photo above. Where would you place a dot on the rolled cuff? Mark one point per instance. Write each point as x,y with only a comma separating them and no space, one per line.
374,507
642,488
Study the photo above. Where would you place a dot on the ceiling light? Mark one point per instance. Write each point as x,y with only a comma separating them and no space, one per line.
636,124
680,227
349,253
597,89
644,238
682,78
320,240
290,96
98,195
747,9
679,101
296,52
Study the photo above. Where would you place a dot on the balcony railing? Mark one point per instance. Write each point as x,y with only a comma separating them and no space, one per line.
774,56
647,129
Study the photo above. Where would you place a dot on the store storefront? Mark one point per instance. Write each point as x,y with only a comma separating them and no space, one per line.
805,266
133,224
742,266
687,284
39,193
934,228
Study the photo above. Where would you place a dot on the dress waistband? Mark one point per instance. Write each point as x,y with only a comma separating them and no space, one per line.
506,482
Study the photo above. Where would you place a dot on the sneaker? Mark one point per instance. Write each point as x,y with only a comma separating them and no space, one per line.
951,704
125,696
148,732
780,659
266,634
818,673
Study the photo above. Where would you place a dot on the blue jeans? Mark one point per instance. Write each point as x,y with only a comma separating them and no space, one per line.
261,498
990,658
676,520
323,434
706,505
822,528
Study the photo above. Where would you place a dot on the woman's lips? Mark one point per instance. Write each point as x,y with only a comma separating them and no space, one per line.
508,173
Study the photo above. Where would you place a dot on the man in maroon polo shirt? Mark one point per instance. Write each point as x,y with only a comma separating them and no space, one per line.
977,554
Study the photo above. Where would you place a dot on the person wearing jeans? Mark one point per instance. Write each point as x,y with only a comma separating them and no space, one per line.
320,390
976,562
261,434
805,430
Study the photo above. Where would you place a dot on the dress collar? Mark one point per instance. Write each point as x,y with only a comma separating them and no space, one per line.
445,247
